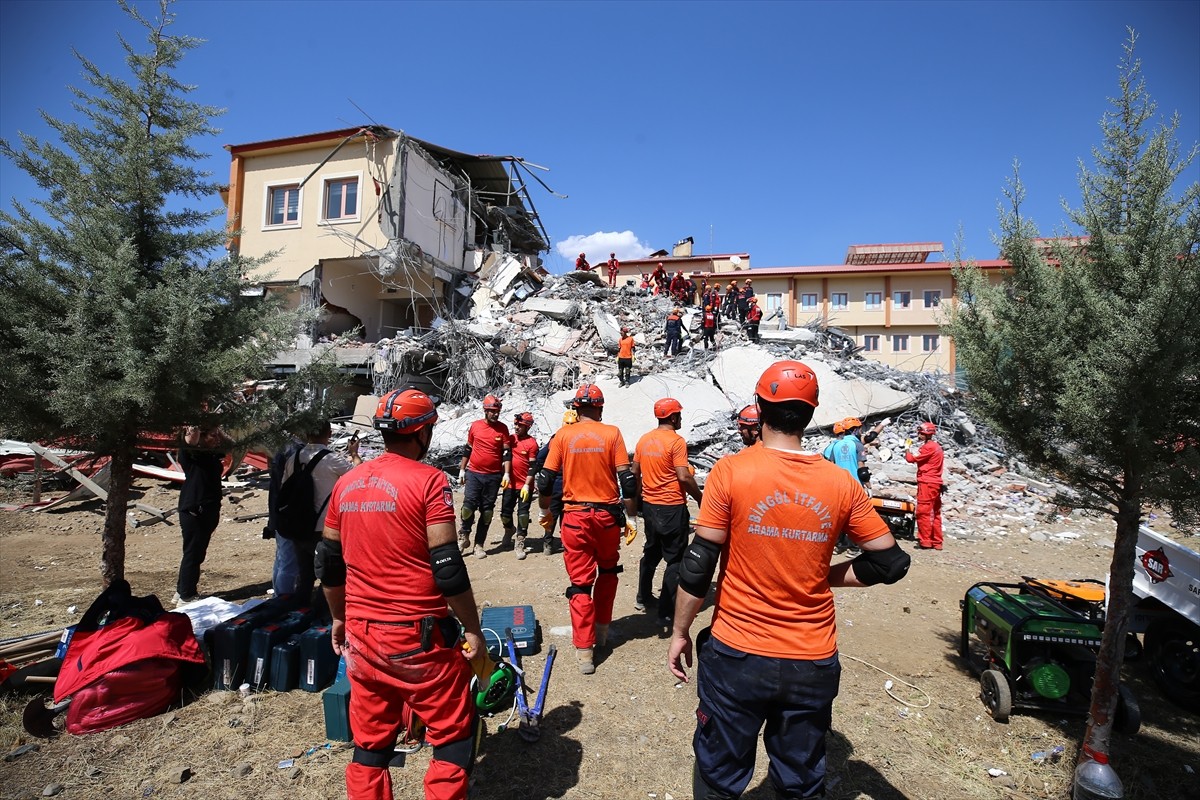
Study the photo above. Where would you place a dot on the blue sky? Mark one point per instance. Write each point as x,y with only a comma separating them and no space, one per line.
783,129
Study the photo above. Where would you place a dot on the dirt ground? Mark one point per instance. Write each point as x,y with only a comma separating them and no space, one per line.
624,732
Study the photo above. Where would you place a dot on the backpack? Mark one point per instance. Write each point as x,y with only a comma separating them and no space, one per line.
295,517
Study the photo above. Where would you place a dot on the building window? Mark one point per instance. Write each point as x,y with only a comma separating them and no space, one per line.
874,301
929,342
341,199
808,301
900,343
901,299
871,343
283,204
933,298
841,301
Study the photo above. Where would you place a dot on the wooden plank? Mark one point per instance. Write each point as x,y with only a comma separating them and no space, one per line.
84,480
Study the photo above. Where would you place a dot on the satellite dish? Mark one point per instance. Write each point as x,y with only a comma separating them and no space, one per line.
736,261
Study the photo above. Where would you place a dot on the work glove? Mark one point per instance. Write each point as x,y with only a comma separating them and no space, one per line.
462,477
630,532
546,520
524,494
504,482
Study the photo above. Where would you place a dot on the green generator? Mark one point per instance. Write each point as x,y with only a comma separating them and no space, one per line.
1039,651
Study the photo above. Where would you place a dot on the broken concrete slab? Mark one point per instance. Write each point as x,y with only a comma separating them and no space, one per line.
789,336
561,310
607,328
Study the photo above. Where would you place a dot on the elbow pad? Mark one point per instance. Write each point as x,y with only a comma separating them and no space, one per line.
329,564
864,475
698,565
449,571
881,566
628,483
545,481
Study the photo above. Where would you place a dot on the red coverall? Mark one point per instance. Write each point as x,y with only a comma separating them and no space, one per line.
929,493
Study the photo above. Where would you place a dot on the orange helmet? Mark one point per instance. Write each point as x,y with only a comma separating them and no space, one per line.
588,394
524,418
839,428
788,380
748,416
850,423
708,308
491,403
666,407
404,411
927,428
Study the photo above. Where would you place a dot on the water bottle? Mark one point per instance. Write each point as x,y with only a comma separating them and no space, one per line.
1095,779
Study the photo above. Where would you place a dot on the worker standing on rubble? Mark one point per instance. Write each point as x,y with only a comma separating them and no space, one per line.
550,516
708,328
714,299
742,300
614,267
753,318
847,452
674,332
594,463
770,516
391,573
518,495
661,466
928,458
679,288
202,459
748,426
730,304
625,348
581,263
485,470
659,277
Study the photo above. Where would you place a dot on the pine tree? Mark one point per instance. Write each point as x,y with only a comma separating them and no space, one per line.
1088,359
120,312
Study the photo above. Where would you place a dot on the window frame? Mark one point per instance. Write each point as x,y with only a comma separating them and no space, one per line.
835,305
877,305
804,304
896,299
925,340
897,338
269,190
774,300
345,178
925,296
870,343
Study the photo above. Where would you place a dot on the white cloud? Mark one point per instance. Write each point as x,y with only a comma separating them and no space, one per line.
599,244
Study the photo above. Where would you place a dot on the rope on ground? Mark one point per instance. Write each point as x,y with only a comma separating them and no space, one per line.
887,687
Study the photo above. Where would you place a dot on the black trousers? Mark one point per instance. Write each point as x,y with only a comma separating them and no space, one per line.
197,527
666,539
624,370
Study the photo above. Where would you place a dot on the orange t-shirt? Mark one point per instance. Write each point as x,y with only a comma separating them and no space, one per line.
488,442
625,347
784,512
657,455
588,455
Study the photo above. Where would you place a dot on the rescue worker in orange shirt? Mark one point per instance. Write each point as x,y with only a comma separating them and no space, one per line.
625,348
485,470
614,267
391,573
594,463
518,494
929,459
748,425
770,517
661,466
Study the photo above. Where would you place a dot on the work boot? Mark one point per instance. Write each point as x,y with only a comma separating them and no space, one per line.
584,656
601,634
480,552
507,541
464,542
519,546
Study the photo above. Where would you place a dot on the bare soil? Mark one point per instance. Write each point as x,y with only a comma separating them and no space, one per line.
624,732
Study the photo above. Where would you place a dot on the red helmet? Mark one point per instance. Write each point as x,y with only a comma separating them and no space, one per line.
491,403
927,428
748,416
753,299
666,407
524,418
404,411
708,308
788,380
581,255
588,394
624,329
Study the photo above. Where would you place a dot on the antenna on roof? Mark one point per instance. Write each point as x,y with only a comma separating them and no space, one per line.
365,114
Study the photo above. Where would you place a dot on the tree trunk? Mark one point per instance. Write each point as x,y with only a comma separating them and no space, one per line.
112,555
1112,644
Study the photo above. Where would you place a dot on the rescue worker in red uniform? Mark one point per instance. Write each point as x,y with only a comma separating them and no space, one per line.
518,494
485,470
594,464
582,264
389,566
614,267
928,458
660,279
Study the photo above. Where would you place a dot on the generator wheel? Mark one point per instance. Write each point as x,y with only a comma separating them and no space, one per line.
996,694
1172,648
1128,718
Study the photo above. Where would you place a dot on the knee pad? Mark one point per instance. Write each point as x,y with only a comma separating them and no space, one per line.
522,521
467,513
485,518
375,759
463,752
615,569
576,588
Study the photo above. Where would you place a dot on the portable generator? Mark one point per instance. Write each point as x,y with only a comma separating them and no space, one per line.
1039,651
900,516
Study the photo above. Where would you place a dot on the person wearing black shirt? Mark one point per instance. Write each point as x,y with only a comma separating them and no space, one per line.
199,503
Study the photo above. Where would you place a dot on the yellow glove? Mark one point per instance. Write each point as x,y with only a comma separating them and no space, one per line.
524,493
504,482
630,532
546,520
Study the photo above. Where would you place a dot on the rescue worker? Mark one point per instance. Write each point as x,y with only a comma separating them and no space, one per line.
847,452
581,263
614,267
730,304
660,464
748,425
674,332
714,299
625,348
743,300
708,328
659,277
391,573
594,463
486,468
550,517
770,516
753,318
928,458
202,460
679,288
518,494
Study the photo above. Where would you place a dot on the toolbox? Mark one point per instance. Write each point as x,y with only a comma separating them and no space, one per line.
336,704
263,641
285,665
318,662
228,643
498,620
